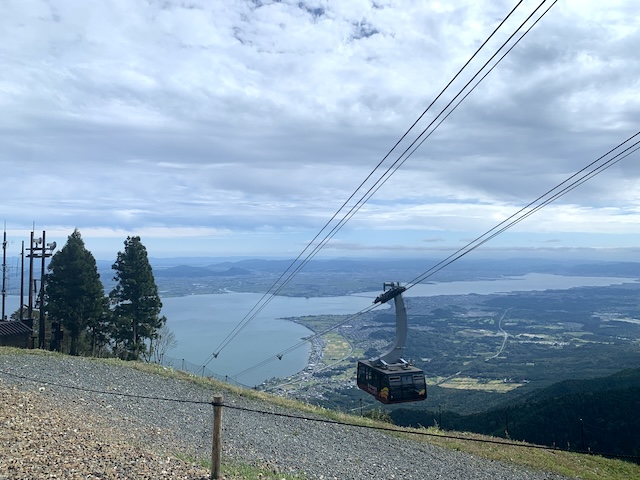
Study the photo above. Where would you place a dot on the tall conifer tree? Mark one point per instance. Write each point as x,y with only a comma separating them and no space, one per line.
135,298
74,290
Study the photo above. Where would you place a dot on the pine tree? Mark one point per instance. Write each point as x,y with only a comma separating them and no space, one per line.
100,329
73,288
135,298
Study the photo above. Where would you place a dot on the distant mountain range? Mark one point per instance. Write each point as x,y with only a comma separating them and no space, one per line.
196,272
465,269
326,276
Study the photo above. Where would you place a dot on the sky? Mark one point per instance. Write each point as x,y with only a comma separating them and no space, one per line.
239,128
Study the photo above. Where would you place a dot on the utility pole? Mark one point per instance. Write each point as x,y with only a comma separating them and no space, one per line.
39,252
22,282
4,272
30,300
41,316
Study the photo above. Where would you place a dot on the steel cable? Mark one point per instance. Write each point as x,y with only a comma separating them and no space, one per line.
514,219
266,298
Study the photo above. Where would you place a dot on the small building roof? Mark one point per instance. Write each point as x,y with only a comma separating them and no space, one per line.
13,327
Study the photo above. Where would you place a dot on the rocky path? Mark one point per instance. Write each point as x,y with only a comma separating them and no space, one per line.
48,431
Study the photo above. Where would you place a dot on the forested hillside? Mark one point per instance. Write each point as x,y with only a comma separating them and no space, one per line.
597,414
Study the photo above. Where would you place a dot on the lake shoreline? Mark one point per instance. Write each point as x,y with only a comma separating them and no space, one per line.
202,321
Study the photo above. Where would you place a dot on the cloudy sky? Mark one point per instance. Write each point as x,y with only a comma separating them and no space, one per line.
238,128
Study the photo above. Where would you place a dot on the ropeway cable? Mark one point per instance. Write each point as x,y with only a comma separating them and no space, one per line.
515,219
471,245
267,297
570,183
279,356
394,167
399,162
308,339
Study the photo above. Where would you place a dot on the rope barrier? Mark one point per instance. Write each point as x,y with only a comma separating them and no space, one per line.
104,392
328,421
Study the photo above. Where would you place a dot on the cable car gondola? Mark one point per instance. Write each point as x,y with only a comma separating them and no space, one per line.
389,378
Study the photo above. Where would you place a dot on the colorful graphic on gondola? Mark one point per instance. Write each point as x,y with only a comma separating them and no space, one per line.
384,393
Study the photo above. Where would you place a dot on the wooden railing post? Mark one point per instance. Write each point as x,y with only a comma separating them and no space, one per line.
216,445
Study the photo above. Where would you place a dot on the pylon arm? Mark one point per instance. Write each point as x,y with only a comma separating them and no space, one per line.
395,290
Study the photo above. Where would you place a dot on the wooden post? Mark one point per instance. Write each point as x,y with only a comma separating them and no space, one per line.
216,445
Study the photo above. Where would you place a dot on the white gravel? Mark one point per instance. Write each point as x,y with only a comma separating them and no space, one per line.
314,450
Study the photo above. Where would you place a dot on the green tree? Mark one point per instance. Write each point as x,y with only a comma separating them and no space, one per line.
73,288
100,330
135,299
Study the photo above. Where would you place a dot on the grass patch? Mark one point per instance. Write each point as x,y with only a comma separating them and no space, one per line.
466,383
241,471
336,349
236,471
586,467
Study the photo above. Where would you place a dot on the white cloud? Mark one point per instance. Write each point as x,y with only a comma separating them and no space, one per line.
251,117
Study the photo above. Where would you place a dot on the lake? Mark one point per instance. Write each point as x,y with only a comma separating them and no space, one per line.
201,322
524,283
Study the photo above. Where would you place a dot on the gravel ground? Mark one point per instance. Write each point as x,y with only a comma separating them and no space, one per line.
47,431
